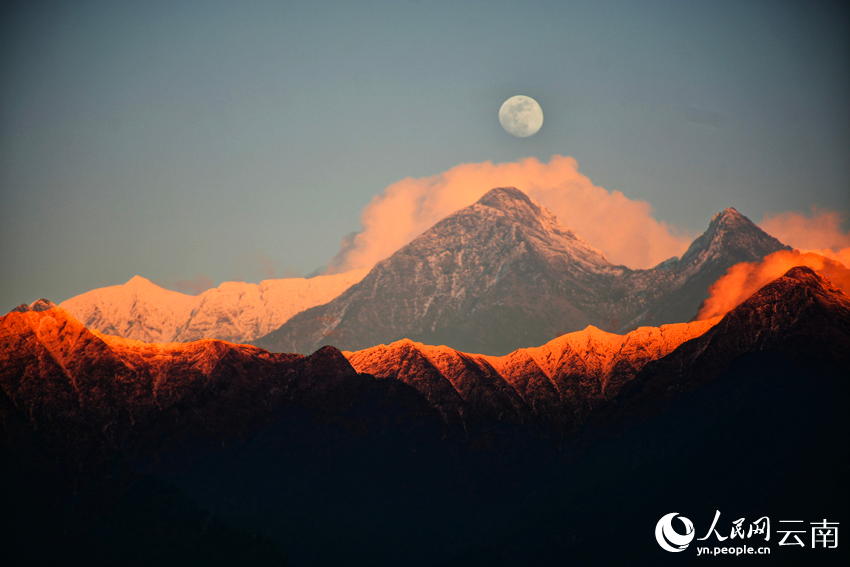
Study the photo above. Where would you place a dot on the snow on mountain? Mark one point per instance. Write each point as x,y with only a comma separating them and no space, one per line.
91,422
95,388
676,288
501,274
241,312
560,383
138,310
562,379
234,311
504,273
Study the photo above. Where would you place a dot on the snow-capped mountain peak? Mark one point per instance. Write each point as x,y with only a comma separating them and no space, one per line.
505,273
234,311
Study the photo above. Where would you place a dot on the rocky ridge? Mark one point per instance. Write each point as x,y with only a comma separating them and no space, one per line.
53,368
505,274
110,436
560,382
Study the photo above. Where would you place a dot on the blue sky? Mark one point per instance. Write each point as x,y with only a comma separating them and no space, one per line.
171,139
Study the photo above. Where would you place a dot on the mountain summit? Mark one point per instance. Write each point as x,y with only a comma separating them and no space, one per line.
505,273
731,238
501,272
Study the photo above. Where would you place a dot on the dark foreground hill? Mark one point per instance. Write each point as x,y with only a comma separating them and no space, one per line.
116,451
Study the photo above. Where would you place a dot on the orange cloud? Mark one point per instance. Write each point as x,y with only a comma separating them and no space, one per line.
820,232
842,255
744,279
623,229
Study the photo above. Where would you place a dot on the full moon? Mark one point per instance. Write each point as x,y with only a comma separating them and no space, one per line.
521,116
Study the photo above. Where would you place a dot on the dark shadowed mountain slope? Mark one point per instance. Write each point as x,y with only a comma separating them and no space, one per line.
748,420
504,273
225,451
53,368
570,378
799,314
558,383
96,394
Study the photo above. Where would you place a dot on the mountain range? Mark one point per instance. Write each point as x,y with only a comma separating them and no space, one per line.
52,365
558,383
499,275
504,273
234,311
414,453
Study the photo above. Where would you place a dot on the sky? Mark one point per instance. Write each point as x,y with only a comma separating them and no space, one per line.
195,143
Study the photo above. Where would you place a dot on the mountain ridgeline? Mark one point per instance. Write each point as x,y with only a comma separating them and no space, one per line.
234,311
214,453
504,273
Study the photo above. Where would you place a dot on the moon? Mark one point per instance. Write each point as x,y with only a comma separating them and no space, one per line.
521,116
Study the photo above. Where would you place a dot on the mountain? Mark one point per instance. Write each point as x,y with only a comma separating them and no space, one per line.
504,274
85,418
50,360
129,449
747,420
214,453
731,238
97,389
558,383
37,305
234,311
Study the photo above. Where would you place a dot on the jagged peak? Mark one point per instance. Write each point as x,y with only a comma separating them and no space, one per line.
802,274
807,277
37,306
730,217
723,224
596,331
729,213
497,197
42,305
800,282
589,333
515,205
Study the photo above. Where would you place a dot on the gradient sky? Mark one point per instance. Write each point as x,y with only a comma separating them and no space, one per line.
241,140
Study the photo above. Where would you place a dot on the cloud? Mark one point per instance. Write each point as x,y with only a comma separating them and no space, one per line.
820,232
744,279
623,229
842,256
